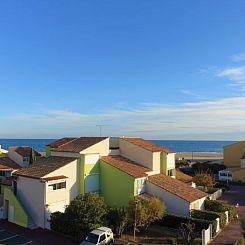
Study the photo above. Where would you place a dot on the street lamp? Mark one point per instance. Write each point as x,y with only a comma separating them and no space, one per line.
135,216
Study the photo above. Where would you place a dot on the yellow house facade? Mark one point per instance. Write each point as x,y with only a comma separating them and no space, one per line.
234,159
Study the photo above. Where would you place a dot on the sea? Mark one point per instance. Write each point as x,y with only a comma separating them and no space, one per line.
174,145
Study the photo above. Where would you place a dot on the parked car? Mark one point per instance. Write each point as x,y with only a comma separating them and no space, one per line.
100,236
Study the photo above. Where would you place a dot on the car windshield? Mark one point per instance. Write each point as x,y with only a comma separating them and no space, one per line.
93,238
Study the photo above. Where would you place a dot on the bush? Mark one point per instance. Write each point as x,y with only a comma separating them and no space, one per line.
85,213
174,221
209,215
146,211
219,206
222,185
117,220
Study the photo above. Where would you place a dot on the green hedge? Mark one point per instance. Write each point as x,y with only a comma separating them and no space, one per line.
219,206
174,221
209,215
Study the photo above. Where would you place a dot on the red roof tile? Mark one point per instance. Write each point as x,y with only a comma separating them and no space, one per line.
147,145
79,144
8,164
129,167
24,151
176,187
43,167
183,177
60,142
54,178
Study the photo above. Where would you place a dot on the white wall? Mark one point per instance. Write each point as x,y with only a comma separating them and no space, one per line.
136,153
199,204
170,160
102,148
174,204
30,192
71,171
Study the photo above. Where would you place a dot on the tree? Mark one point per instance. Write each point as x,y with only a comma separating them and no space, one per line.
143,212
187,233
117,220
85,213
203,179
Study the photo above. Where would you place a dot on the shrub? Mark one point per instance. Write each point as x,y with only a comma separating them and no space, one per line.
219,206
85,213
209,215
222,185
117,220
203,179
174,221
145,211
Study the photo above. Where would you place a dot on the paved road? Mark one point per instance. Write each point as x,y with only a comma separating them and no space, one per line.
232,232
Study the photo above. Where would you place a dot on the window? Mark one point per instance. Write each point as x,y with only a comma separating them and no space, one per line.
58,186
102,238
171,172
2,173
25,159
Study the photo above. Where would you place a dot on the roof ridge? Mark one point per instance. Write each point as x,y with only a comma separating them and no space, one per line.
72,139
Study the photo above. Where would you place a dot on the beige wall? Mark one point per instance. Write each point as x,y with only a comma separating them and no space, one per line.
199,204
233,154
174,204
30,192
102,148
239,175
136,153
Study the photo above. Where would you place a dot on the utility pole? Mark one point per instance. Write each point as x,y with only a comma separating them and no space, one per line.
100,127
135,216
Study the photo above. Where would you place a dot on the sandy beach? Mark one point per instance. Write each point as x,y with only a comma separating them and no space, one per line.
200,156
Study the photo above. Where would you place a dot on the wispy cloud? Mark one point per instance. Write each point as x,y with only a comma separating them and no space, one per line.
187,120
192,94
238,57
235,74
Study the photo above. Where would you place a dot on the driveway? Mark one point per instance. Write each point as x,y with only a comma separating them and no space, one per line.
14,234
232,232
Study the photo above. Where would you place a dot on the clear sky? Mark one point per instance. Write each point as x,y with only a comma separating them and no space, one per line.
157,69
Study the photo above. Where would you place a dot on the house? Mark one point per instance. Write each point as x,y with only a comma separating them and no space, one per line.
114,168
234,159
23,155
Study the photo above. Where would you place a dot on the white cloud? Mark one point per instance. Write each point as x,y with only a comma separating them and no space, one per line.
203,120
238,57
192,94
235,74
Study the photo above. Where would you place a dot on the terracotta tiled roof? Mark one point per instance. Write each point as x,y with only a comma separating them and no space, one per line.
129,167
147,145
79,144
24,151
8,164
43,167
183,177
54,178
60,142
176,187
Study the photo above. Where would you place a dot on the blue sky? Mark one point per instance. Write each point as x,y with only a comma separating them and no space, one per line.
157,69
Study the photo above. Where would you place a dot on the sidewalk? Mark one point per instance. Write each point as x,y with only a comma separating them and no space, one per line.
231,233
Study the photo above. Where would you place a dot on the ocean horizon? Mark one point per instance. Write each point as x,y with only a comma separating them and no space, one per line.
215,146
